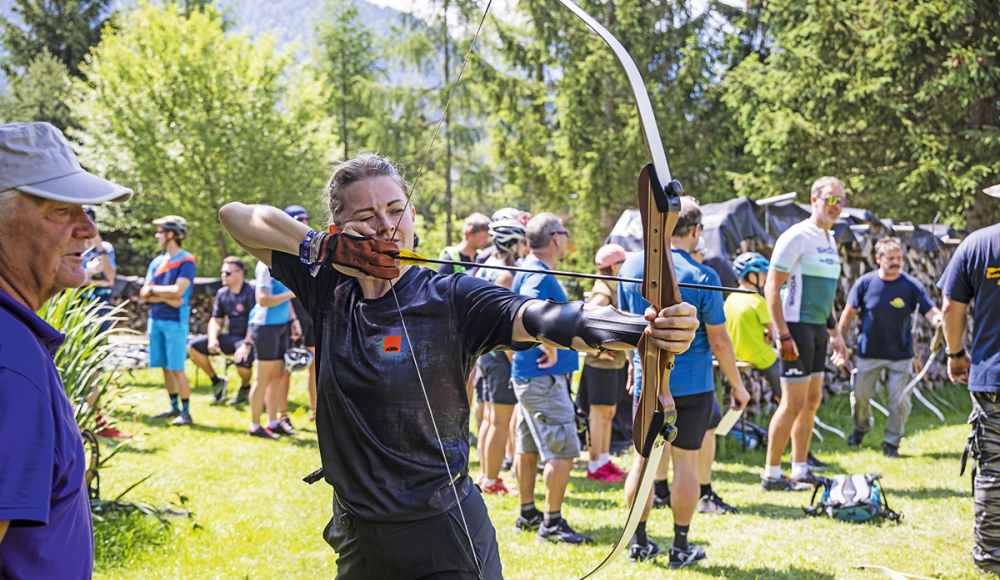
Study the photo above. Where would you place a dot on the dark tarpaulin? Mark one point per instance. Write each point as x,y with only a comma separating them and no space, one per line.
726,225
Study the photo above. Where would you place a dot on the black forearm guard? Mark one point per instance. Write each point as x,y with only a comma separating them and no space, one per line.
559,322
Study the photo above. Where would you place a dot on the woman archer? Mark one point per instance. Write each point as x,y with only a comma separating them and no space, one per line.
394,347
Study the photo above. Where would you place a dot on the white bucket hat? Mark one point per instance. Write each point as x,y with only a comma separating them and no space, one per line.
36,158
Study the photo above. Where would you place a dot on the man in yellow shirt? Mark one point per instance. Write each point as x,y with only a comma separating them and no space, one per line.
748,322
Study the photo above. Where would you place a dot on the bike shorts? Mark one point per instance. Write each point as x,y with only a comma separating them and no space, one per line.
270,341
228,343
811,340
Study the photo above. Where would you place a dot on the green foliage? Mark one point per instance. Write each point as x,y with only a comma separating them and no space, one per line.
43,93
192,118
67,29
82,360
899,99
347,65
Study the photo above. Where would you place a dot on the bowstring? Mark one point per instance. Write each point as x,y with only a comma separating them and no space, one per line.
413,354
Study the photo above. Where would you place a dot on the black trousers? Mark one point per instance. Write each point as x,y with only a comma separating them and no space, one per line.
984,448
435,548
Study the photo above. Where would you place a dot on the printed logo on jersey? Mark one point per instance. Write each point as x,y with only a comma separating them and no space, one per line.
898,302
239,308
826,250
992,273
392,344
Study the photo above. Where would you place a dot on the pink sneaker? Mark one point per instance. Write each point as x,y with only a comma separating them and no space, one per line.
614,470
497,488
602,474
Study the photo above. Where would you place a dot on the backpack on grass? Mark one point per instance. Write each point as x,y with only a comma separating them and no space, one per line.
852,498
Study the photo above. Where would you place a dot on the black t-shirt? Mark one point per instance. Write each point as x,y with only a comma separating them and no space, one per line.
376,438
235,307
457,257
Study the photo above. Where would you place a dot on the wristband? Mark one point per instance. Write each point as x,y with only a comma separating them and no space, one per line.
785,337
305,248
958,354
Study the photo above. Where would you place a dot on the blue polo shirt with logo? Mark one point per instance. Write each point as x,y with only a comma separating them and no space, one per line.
885,309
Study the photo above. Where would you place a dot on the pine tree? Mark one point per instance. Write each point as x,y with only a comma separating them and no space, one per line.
67,29
42,93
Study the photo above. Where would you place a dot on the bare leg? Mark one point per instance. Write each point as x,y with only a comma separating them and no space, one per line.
632,480
527,467
281,394
246,374
780,429
802,430
268,372
183,385
706,456
202,361
600,429
496,438
312,384
169,382
481,435
556,478
684,492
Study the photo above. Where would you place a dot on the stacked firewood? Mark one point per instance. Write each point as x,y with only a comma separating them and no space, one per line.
136,312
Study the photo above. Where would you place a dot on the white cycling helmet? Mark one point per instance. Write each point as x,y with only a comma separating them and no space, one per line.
297,359
506,234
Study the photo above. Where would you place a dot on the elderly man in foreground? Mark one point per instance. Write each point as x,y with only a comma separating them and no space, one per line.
45,527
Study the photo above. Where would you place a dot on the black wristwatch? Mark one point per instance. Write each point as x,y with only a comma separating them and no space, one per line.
958,354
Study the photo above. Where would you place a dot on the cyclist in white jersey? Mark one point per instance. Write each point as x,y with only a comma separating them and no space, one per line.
800,288
508,241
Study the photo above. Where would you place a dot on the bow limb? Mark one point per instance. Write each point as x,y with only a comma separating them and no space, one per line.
659,202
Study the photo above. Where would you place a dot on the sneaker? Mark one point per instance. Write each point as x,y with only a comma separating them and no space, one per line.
182,419
814,463
603,474
809,478
281,429
284,422
639,553
241,397
680,558
219,389
783,484
262,432
711,503
508,462
113,433
855,438
614,469
561,532
890,450
661,502
497,488
168,414
529,525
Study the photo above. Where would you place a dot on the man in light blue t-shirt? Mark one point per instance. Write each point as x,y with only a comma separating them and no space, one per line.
168,291
547,422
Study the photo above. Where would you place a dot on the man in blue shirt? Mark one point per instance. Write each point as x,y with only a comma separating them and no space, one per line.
45,524
693,386
546,426
886,299
168,290
974,273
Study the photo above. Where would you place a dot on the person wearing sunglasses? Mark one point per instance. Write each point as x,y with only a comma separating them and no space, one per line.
167,289
800,288
233,301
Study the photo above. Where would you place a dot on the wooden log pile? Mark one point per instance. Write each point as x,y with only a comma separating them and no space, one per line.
137,312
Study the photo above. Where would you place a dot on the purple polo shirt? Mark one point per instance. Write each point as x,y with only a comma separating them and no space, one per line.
42,463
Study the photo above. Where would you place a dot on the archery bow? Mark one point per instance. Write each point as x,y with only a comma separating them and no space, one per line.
659,203
406,257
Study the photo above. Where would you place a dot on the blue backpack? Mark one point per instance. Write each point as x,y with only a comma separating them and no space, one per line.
851,498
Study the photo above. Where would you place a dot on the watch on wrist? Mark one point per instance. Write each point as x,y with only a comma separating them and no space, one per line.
958,354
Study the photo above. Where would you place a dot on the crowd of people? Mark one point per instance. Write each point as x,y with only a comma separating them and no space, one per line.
403,355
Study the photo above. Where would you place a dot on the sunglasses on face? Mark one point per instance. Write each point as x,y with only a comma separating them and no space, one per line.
227,272
561,232
835,201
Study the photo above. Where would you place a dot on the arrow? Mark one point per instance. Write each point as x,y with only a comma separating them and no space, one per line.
409,257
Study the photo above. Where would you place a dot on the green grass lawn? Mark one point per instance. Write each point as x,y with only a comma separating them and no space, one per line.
253,517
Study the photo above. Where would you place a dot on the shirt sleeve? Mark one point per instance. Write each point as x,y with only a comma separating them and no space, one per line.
308,288
785,253
924,302
149,272
188,269
762,313
854,296
534,286
110,251
27,429
217,310
956,283
713,304
601,287
484,312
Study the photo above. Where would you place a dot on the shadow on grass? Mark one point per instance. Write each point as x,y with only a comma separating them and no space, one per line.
165,423
928,493
762,573
591,503
774,511
953,455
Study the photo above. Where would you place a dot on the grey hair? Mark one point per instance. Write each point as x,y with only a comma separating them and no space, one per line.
821,184
7,198
364,166
541,228
883,245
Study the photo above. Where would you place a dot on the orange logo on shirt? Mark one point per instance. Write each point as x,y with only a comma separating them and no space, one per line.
392,344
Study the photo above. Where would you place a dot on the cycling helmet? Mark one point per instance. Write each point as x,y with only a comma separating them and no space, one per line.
174,223
89,210
297,359
748,262
297,211
509,213
506,234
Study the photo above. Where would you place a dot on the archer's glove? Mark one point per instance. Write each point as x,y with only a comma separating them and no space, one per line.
788,350
367,255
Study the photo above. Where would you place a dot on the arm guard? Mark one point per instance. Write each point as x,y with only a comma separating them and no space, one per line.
559,322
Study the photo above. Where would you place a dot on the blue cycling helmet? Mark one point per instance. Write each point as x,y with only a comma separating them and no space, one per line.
748,262
297,212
